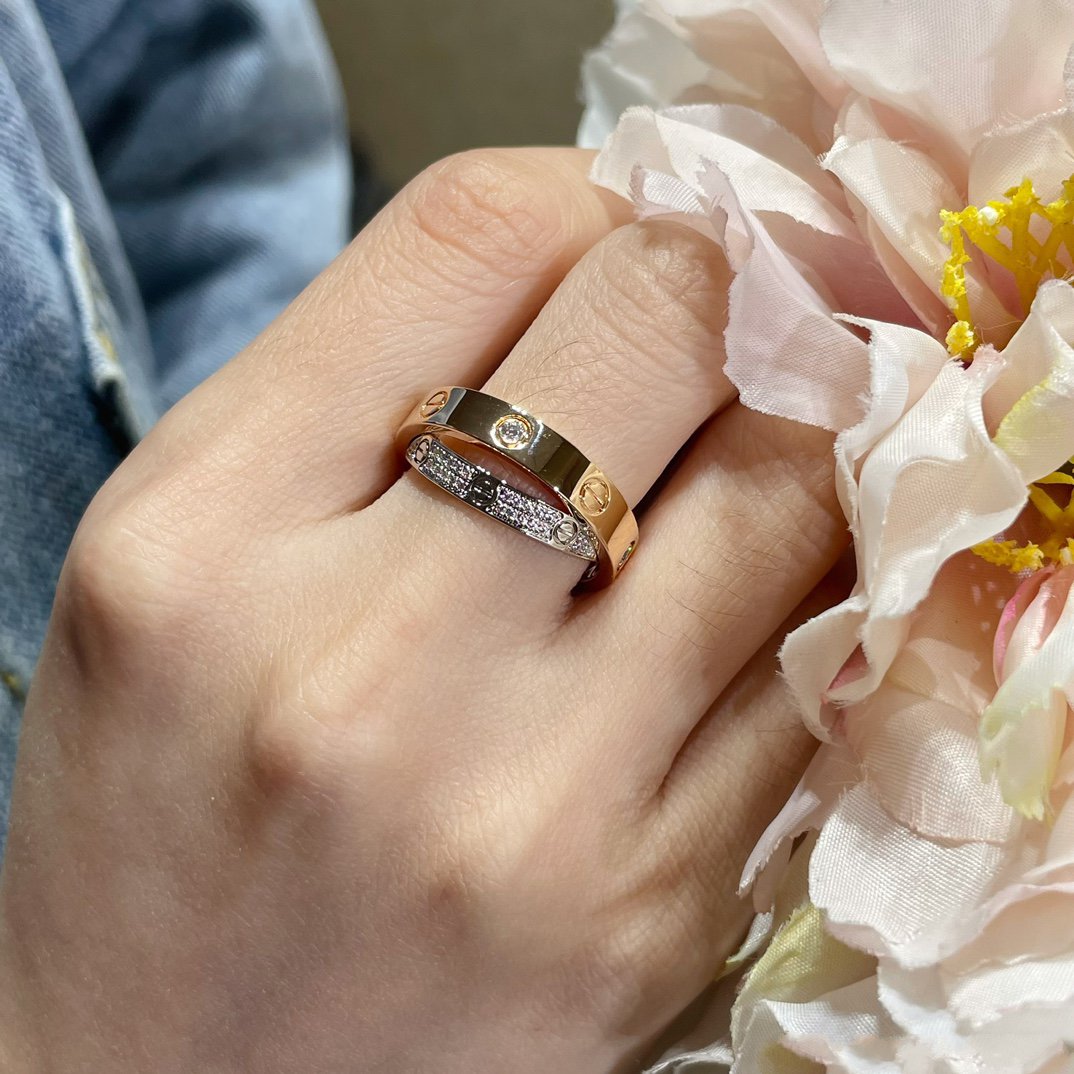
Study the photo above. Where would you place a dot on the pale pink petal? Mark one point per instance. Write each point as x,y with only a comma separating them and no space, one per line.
643,61
901,191
953,630
1040,148
801,364
902,363
1036,391
761,195
933,486
1023,729
1012,616
907,892
1039,617
764,54
920,760
957,70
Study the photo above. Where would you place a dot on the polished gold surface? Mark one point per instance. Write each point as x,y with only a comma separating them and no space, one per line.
583,487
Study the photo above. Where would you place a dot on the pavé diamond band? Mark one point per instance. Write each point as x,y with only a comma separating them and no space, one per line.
476,486
587,493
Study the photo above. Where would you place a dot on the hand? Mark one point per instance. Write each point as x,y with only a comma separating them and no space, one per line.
323,771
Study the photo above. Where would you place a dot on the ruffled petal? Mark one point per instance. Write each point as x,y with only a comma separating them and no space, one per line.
920,760
798,257
899,192
933,486
957,70
907,892
1023,730
763,54
1035,391
643,61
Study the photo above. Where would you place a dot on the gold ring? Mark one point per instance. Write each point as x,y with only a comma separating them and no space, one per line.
524,439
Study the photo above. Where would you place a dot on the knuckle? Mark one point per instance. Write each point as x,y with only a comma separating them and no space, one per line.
487,202
659,266
127,574
328,704
625,965
453,861
287,752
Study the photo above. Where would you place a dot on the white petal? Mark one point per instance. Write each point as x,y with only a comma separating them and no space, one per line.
985,996
643,61
933,486
920,760
905,892
1035,392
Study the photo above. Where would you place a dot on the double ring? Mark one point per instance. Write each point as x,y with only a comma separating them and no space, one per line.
593,522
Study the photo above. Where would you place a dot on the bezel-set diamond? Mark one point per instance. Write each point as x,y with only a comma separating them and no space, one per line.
513,431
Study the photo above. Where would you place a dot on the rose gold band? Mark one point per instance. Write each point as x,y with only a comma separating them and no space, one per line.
516,435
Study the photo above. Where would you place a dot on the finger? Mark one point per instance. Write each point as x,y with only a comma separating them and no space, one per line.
437,288
747,525
625,361
740,763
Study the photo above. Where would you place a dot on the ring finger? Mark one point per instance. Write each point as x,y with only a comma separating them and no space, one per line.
625,361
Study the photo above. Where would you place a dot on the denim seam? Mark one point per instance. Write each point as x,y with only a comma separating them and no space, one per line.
13,684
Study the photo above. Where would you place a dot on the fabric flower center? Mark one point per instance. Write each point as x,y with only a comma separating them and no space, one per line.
1018,233
1057,548
1022,241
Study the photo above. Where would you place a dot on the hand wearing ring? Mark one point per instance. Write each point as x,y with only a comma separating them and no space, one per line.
324,771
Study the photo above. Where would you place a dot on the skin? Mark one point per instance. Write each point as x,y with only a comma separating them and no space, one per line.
322,770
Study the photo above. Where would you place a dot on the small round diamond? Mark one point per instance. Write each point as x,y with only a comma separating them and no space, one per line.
512,431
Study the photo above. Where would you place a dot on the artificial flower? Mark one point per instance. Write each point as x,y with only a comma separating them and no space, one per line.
892,182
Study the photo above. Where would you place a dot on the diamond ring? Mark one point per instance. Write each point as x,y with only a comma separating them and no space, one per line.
587,494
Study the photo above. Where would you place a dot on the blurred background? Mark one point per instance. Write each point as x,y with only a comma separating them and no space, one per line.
425,78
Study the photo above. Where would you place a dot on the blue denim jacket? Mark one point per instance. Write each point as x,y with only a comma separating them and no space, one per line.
172,172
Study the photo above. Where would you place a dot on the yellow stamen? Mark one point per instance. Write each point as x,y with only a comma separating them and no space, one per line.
1015,557
1057,548
961,338
1019,232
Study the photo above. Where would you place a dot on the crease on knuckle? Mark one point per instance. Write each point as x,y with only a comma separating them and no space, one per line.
486,206
670,278
785,496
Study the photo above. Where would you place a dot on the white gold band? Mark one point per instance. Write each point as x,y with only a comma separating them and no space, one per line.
477,487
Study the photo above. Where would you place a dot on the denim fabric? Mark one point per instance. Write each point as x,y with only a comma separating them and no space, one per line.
172,172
